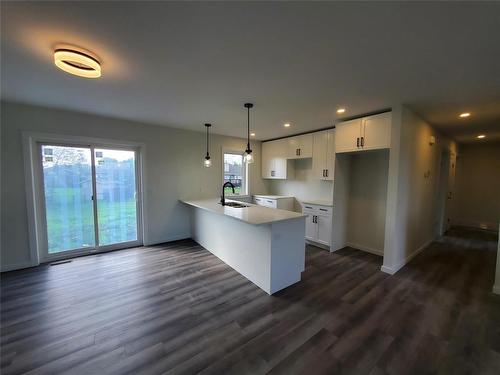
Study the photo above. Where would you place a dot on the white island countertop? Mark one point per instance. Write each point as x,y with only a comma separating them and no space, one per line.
253,214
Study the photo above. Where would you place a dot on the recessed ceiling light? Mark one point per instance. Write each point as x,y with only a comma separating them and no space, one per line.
341,110
287,125
252,134
465,114
480,136
77,63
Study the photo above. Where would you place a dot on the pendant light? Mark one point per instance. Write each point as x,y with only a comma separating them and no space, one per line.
248,151
207,162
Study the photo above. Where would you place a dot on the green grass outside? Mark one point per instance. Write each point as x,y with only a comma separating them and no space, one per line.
70,220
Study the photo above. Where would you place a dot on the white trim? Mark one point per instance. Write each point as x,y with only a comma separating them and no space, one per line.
392,270
32,181
229,150
370,250
496,289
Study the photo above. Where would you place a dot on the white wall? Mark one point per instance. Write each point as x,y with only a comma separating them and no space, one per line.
478,185
173,167
367,201
304,185
411,220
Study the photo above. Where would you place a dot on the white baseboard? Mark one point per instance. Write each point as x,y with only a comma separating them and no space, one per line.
391,270
370,250
16,266
496,289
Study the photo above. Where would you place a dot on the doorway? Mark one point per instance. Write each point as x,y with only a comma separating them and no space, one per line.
89,199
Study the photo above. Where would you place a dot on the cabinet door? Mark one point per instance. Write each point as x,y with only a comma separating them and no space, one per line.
346,136
330,155
320,146
377,131
324,229
300,147
305,146
267,160
280,164
311,228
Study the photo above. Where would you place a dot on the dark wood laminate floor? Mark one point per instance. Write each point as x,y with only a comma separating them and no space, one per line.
176,309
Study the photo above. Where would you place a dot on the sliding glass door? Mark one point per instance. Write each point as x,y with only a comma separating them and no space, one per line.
89,198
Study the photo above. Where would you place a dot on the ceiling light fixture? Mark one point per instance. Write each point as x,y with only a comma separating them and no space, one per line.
248,151
287,125
77,63
252,134
464,115
207,162
341,110
481,136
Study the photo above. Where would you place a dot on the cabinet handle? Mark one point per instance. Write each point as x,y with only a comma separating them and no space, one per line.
323,209
314,219
299,151
357,142
326,171
296,152
362,141
269,201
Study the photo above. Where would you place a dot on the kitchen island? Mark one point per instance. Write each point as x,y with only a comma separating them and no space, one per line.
265,245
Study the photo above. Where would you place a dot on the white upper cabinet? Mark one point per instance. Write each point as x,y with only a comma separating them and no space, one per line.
376,132
347,136
274,160
300,147
324,154
367,133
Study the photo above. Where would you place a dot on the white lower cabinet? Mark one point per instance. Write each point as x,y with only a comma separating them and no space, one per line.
318,223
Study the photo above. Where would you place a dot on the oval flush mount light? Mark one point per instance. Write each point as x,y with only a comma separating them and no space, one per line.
77,63
464,115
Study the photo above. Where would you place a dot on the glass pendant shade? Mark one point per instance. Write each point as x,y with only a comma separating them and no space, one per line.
207,162
249,156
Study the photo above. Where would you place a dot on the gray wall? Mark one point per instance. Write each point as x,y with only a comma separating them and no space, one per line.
478,185
367,200
413,187
173,166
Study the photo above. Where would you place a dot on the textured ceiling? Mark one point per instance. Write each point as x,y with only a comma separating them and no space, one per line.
184,64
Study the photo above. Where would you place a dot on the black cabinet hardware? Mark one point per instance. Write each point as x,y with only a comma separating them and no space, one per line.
357,142
362,141
323,209
326,172
308,207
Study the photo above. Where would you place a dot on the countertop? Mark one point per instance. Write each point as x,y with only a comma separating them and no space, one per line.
273,196
319,202
253,214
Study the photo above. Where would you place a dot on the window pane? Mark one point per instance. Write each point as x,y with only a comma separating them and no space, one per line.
67,178
116,205
234,172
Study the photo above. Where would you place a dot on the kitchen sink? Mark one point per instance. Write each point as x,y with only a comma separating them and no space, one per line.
236,205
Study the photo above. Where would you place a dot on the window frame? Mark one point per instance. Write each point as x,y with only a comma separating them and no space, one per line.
245,183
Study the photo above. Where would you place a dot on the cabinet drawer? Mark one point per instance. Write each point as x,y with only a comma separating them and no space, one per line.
316,209
271,203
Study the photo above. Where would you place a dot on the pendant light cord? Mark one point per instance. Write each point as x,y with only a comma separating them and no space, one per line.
248,128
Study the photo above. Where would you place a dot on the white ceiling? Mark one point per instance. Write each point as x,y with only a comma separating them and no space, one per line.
184,64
